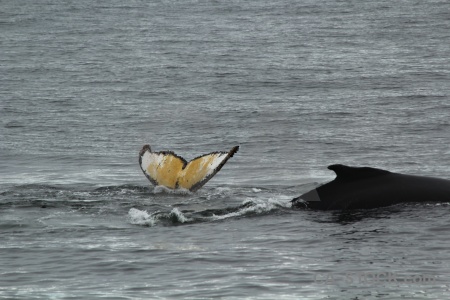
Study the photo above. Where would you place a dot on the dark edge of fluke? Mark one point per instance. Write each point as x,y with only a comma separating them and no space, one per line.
199,184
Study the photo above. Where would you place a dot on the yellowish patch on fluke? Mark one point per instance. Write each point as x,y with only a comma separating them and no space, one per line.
165,169
197,169
172,171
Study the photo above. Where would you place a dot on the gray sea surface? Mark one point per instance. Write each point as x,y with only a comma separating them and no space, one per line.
298,85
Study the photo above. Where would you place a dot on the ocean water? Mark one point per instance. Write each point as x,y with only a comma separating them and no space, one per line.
298,85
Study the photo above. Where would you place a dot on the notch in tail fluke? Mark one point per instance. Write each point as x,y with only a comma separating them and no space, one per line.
165,168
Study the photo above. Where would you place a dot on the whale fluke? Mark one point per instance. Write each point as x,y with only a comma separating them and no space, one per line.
165,168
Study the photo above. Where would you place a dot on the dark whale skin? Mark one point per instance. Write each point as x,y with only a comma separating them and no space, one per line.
366,188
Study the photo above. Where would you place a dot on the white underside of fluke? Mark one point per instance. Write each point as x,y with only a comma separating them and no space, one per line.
167,169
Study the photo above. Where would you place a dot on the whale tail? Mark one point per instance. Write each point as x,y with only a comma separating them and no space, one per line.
172,171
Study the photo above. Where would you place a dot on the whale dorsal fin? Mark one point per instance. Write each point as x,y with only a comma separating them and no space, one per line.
354,173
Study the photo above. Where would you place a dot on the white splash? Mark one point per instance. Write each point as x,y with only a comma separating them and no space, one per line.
140,217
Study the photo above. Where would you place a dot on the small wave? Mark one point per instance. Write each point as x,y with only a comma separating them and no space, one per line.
120,190
254,207
143,218
14,124
162,189
217,193
249,207
177,216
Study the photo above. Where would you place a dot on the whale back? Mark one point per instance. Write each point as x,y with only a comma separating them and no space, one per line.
366,187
